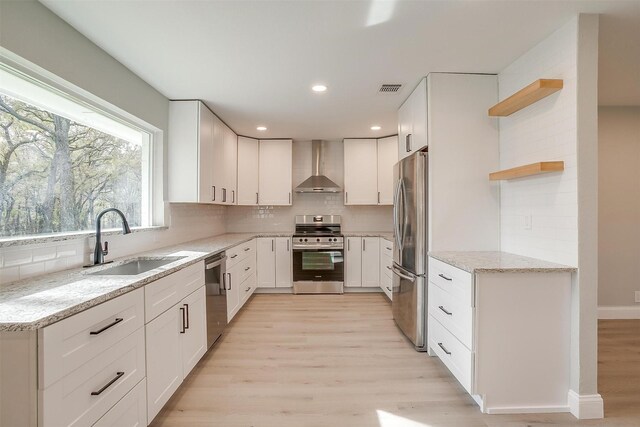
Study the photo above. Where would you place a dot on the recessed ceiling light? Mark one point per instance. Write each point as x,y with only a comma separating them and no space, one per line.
375,127
261,128
319,88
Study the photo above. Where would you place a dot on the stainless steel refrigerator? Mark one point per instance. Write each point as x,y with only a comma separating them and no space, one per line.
410,216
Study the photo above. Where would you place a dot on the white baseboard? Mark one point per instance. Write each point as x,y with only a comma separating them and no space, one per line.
274,290
586,406
526,410
348,290
619,312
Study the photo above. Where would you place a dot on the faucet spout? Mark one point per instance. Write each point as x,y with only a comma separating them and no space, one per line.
99,253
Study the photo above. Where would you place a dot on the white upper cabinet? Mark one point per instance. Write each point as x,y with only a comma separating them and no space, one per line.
387,158
230,143
360,172
275,172
191,152
368,170
217,174
412,122
248,149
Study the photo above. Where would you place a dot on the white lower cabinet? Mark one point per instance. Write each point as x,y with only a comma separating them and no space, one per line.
353,262
176,341
362,262
370,262
240,277
386,263
505,336
131,411
274,262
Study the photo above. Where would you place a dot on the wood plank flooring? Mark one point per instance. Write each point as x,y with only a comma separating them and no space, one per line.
339,360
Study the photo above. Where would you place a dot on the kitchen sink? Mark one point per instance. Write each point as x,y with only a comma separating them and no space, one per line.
137,266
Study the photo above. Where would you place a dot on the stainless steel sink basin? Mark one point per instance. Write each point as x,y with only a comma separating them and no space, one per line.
137,266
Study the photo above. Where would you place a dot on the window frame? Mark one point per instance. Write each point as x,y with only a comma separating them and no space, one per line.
154,213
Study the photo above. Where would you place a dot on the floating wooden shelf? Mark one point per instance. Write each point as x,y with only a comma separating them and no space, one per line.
525,97
527,170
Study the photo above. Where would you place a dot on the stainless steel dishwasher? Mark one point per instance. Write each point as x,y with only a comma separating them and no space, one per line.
216,297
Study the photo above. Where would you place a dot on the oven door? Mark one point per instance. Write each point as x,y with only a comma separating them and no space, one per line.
318,265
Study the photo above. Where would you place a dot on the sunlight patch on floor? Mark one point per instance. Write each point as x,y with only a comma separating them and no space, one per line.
387,419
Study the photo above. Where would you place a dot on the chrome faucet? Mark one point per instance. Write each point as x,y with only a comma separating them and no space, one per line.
99,253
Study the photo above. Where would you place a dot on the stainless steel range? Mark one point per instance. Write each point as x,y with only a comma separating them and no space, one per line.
318,255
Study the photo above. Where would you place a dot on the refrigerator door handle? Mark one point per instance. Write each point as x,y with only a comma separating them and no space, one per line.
396,223
403,276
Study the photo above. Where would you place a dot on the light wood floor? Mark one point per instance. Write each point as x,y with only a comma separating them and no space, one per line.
339,360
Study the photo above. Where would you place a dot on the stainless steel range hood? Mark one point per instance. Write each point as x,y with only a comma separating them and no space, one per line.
317,182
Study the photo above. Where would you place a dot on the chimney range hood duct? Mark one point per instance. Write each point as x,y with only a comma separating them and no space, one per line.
317,182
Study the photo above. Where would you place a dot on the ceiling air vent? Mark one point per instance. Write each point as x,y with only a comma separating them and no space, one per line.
390,88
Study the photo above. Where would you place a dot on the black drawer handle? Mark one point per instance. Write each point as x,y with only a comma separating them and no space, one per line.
247,249
107,385
444,349
110,325
233,256
388,288
247,269
445,277
448,313
248,289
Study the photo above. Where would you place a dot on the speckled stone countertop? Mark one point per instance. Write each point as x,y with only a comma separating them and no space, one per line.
35,303
498,262
384,234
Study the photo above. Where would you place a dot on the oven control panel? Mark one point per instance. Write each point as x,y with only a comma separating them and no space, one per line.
331,242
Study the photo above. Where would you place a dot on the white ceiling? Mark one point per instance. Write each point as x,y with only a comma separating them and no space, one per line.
253,62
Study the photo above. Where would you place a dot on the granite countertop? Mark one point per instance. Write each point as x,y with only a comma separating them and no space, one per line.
40,301
384,234
498,262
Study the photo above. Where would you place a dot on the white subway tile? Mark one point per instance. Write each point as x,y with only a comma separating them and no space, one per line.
8,275
17,257
31,270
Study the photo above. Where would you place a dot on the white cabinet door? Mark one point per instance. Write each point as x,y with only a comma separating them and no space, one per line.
233,283
418,138
353,262
275,172
266,262
370,261
404,129
387,158
283,262
230,164
247,171
360,172
218,174
194,340
206,155
189,150
164,359
412,122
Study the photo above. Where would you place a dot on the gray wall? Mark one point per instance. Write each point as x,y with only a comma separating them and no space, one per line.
619,205
32,31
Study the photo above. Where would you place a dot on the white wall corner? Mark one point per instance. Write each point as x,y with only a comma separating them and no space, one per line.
619,312
586,406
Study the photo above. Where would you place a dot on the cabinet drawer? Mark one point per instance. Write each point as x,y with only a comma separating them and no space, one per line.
246,269
386,248
240,253
385,283
72,342
248,287
452,314
166,292
86,394
452,352
385,267
131,411
452,280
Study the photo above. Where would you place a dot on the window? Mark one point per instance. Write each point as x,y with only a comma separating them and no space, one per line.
62,162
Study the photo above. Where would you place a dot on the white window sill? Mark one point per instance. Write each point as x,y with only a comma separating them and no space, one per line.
59,237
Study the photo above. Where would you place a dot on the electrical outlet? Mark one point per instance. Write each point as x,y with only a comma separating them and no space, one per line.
637,296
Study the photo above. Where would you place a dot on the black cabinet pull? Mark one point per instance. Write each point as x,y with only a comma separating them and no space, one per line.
107,385
247,269
233,256
184,329
444,349
186,306
448,313
445,277
110,325
247,249
388,288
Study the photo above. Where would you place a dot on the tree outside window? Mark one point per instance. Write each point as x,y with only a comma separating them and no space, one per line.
56,174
